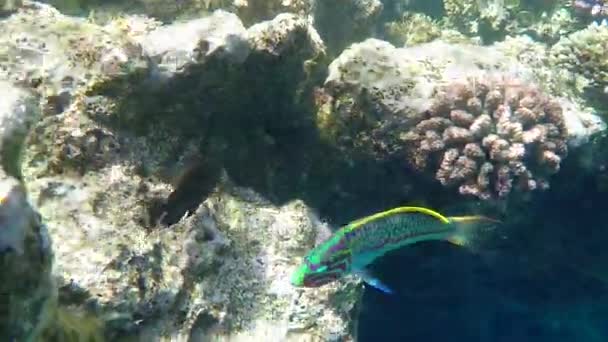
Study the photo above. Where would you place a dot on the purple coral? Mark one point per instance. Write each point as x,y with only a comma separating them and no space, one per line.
490,136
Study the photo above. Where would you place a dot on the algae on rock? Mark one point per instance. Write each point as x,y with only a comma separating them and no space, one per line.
228,262
55,55
130,258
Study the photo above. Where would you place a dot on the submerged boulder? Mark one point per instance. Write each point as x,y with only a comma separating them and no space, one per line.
473,117
149,236
27,294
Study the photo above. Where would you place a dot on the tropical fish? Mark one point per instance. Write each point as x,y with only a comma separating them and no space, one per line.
358,244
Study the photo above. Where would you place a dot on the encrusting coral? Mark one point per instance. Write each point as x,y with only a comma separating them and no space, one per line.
488,135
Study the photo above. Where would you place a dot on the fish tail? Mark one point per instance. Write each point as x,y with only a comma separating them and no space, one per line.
472,231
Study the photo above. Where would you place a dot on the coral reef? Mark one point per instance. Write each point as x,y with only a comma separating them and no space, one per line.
488,135
249,11
131,138
386,102
584,53
493,20
485,18
535,55
416,28
412,29
547,26
227,264
55,55
106,189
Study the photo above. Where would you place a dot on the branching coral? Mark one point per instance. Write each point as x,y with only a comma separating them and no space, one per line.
585,52
412,29
467,16
488,136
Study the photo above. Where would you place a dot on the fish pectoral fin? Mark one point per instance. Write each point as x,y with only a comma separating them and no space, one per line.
373,281
457,240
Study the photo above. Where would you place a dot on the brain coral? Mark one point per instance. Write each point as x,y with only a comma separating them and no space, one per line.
488,135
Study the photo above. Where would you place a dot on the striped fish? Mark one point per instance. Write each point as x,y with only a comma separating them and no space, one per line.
358,244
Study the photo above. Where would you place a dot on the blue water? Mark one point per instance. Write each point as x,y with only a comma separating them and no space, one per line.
534,286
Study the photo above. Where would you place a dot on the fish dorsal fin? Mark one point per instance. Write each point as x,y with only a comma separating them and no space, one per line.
399,210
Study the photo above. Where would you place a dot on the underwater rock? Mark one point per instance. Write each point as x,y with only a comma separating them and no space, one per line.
223,266
387,102
173,48
129,259
27,293
56,55
285,31
222,271
18,112
26,288
211,58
